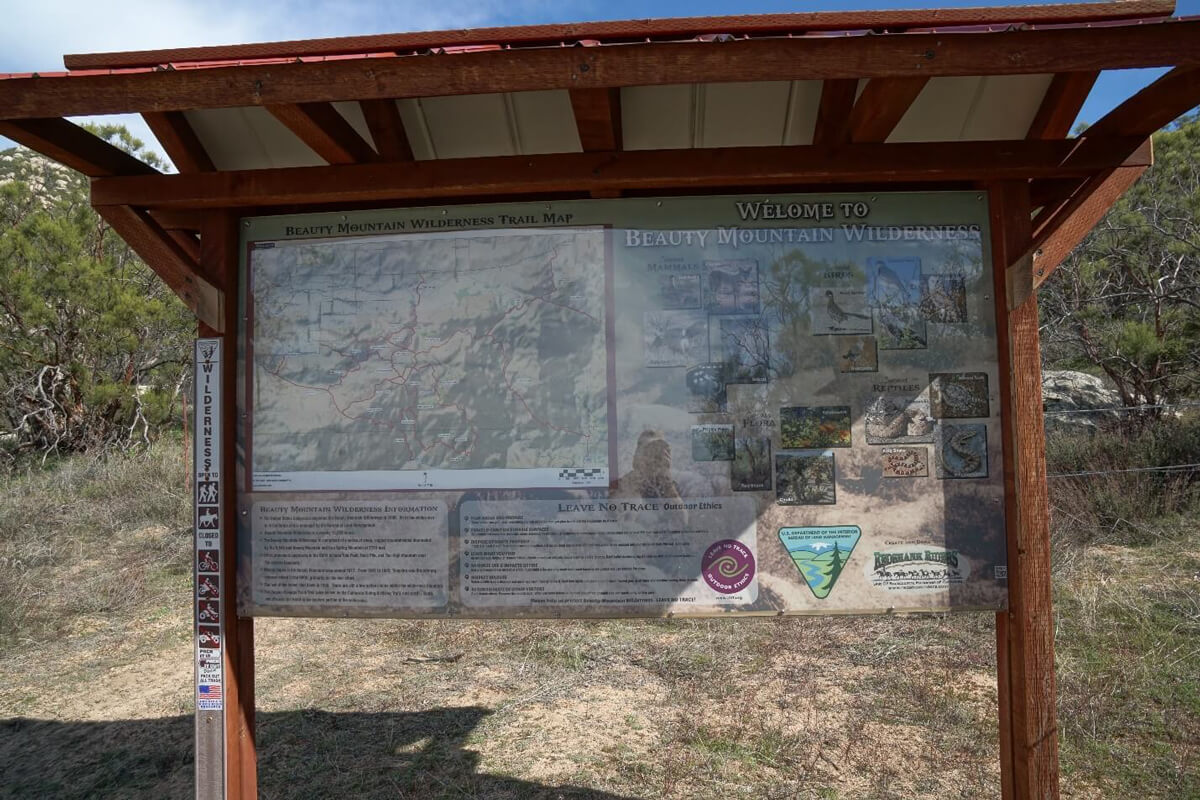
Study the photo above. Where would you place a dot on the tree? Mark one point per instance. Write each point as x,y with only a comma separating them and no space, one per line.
835,565
1127,300
93,346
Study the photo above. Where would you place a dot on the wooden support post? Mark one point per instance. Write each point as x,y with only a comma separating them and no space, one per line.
1025,635
219,256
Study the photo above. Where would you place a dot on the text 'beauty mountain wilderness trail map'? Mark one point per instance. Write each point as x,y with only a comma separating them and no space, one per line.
431,361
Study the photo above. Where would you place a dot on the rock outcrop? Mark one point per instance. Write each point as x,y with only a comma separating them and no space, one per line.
1085,399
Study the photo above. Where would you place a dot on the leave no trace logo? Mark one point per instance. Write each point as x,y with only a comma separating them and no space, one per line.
728,566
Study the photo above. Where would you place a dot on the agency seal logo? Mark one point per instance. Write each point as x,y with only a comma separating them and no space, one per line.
820,553
727,566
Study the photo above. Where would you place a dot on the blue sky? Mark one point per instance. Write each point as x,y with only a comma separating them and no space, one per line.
38,32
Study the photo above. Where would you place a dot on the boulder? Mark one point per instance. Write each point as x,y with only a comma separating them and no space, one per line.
1085,398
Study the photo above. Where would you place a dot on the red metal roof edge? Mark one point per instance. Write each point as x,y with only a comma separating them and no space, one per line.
630,31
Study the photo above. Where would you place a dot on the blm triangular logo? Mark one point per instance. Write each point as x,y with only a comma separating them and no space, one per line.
820,553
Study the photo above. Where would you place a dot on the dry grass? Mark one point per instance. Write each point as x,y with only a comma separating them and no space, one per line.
875,707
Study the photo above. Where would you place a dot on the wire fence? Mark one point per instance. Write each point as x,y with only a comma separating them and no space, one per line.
1118,409
1169,468
1121,410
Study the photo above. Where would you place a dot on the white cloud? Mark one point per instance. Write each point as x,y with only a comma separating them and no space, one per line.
37,33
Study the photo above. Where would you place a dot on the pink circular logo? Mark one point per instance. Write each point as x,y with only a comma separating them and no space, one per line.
727,566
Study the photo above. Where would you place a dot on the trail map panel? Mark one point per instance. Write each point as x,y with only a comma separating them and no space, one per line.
430,361
632,407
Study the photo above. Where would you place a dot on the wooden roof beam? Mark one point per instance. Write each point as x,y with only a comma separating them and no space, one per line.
179,140
598,119
325,131
1072,222
1064,220
1153,107
173,263
917,54
833,113
1050,191
177,220
76,147
626,170
638,30
189,242
1060,106
881,106
387,129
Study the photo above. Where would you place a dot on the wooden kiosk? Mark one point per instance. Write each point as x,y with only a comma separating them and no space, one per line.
978,100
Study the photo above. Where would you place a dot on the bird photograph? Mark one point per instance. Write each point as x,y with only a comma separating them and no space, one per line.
839,311
857,354
894,281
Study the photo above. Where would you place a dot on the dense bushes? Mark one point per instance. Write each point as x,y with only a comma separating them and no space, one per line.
1125,494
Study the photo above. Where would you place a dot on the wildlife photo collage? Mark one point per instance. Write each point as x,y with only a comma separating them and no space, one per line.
903,417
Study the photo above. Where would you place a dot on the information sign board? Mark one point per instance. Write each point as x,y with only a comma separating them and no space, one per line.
627,407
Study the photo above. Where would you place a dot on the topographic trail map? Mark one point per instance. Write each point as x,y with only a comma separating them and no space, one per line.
431,361
633,406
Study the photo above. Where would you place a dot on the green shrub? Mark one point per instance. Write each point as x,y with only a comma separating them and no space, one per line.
1117,500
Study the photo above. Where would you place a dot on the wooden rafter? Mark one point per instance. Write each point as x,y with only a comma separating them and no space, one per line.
1066,219
642,169
913,54
1056,237
1154,106
598,118
325,131
171,261
637,30
881,106
833,113
179,140
175,220
67,143
1057,209
1052,191
387,129
1065,96
189,242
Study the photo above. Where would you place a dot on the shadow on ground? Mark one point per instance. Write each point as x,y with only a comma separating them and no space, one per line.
309,754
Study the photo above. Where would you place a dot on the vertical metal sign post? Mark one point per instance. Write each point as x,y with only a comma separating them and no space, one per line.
209,616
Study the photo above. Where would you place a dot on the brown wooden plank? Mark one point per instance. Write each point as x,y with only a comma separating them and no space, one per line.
925,54
833,113
598,118
637,30
1060,106
163,255
880,107
1032,718
219,256
76,147
188,242
387,129
1058,206
1062,233
1153,107
626,170
179,140
1051,191
1053,212
178,220
325,131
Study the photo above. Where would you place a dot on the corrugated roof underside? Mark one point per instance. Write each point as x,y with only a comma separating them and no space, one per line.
653,117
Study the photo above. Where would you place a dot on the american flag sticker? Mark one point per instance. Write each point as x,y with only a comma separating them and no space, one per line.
208,697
